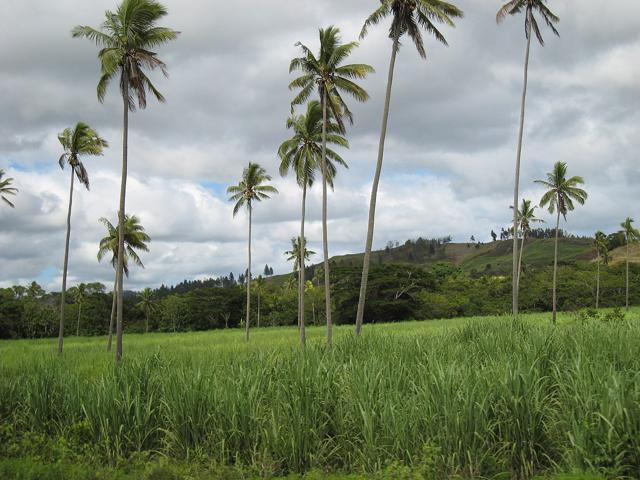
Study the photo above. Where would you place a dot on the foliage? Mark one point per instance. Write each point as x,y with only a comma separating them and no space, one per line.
6,189
477,398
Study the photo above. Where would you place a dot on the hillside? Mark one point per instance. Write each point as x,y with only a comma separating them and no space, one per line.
492,258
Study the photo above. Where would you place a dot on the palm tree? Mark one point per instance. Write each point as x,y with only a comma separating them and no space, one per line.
135,238
6,188
76,142
302,153
127,37
251,188
332,79
296,255
408,16
259,286
561,193
526,216
631,235
514,7
147,304
601,244
79,297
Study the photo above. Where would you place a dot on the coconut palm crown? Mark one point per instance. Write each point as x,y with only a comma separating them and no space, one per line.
327,73
562,191
302,153
135,239
6,189
128,37
76,142
530,7
409,16
295,254
250,188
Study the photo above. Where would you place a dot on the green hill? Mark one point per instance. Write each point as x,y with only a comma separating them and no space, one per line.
492,258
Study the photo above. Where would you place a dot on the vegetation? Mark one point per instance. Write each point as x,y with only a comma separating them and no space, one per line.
333,79
515,7
302,154
135,239
127,37
559,198
251,189
6,189
481,397
601,244
76,142
408,16
631,235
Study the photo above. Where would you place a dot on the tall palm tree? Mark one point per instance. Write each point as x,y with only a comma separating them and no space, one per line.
601,244
147,304
514,7
561,193
6,189
127,38
76,142
135,238
251,189
298,256
333,79
408,17
302,153
79,297
631,235
526,216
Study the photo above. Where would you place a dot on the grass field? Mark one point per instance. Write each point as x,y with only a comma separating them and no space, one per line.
473,398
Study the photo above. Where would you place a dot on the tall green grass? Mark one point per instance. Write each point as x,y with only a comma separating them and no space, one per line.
482,398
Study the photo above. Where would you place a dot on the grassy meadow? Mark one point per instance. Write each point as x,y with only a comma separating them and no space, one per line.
474,398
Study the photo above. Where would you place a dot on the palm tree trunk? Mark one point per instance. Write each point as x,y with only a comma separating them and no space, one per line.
302,246
146,324
524,235
627,282
325,236
248,280
63,294
555,267
598,282
121,215
374,192
78,324
113,311
516,193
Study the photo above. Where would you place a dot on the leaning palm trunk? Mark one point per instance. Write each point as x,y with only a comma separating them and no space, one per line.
555,267
598,281
64,269
121,214
524,235
516,193
627,282
302,244
248,282
374,192
325,236
113,312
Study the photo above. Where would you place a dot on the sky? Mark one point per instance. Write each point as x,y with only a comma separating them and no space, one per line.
450,151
